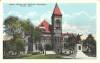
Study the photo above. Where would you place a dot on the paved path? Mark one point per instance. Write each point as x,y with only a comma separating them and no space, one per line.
78,56
50,52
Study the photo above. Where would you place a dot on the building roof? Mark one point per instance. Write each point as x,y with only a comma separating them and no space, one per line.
64,34
45,25
57,10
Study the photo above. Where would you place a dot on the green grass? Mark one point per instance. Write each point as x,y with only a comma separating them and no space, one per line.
49,56
17,56
36,56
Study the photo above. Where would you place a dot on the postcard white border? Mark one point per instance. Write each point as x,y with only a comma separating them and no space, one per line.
52,60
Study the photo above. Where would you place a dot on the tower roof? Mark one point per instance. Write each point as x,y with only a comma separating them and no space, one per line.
57,10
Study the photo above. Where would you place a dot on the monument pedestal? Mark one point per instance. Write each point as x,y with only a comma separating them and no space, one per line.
79,53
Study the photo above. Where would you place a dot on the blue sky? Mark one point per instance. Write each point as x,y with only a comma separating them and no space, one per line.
77,18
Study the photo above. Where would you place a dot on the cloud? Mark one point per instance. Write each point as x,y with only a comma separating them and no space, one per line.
14,13
75,14
78,17
36,22
77,29
29,15
47,16
73,29
79,22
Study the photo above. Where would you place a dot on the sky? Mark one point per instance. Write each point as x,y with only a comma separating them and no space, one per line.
76,17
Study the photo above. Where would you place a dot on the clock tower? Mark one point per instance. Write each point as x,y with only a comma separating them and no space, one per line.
57,30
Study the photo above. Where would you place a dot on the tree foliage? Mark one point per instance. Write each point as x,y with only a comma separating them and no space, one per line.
90,43
19,29
15,27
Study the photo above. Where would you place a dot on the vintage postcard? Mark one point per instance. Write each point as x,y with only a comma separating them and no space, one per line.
44,31
49,31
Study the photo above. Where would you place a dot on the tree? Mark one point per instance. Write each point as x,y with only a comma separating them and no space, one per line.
37,38
6,48
90,43
20,29
19,43
13,28
37,35
12,25
28,29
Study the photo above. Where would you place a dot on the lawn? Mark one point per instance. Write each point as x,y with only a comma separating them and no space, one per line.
35,56
48,56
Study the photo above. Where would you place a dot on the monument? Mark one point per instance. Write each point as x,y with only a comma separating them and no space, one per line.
78,49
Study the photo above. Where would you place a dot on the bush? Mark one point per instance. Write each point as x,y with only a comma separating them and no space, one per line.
35,53
48,47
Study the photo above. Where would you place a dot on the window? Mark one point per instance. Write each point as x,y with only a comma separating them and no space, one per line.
79,47
58,23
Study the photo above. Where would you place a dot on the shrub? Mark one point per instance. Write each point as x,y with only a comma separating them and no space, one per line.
35,53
